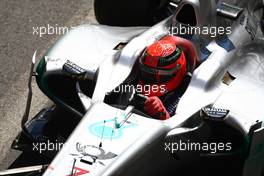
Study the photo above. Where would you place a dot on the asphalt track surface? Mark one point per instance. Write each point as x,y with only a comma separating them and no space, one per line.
18,41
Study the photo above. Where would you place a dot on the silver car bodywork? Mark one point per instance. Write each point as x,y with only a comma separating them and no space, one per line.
97,147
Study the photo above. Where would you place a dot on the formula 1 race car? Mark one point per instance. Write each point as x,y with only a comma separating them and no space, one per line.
93,130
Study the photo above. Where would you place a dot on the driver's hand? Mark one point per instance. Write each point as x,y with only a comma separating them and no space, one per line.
155,108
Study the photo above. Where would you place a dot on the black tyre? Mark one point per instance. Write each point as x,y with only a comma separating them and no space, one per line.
129,12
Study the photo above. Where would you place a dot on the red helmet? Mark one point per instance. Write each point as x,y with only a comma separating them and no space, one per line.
163,63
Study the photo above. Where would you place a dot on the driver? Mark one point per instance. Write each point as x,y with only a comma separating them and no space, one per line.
163,67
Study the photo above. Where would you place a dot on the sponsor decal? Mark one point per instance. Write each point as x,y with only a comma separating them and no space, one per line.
97,153
90,154
74,70
106,129
78,171
75,171
213,113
